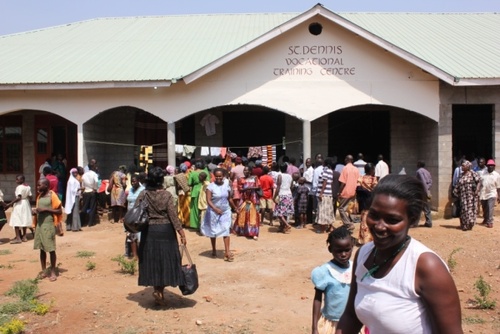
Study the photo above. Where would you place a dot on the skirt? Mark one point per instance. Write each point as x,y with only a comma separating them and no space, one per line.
159,257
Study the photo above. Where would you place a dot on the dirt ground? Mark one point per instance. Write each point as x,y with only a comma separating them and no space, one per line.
266,290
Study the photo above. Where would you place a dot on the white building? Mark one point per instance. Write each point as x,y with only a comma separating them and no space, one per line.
410,86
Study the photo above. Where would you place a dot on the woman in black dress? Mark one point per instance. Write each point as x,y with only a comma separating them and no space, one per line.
159,256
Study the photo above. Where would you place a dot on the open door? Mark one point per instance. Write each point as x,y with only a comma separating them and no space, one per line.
54,135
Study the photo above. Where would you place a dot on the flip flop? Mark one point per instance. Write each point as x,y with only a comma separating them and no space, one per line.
159,299
16,242
229,258
53,278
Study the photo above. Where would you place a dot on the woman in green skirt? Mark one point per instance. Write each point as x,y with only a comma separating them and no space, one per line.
48,211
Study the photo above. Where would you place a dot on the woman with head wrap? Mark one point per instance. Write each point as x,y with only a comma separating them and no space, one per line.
72,204
183,194
467,190
169,183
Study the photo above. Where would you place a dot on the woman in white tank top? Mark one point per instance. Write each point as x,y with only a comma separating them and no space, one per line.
399,285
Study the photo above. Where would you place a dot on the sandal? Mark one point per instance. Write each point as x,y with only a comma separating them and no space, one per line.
214,254
287,229
159,298
16,242
229,257
24,239
53,278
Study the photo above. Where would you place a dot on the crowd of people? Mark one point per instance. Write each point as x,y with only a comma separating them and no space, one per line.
236,195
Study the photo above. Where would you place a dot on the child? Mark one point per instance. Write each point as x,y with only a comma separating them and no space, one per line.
202,198
301,193
21,213
49,215
333,280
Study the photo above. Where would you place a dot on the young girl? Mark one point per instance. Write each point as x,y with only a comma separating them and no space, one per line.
301,202
21,213
333,280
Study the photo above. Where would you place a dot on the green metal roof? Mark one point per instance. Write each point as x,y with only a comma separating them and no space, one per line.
162,48
465,45
127,49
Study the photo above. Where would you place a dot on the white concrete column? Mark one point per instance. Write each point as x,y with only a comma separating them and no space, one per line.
171,143
306,139
81,151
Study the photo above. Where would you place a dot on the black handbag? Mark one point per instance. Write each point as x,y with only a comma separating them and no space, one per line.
137,218
189,273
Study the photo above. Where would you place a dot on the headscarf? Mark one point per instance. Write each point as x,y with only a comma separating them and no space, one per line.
170,170
72,189
467,163
187,163
183,167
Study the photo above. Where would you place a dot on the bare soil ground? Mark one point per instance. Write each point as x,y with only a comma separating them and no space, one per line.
266,290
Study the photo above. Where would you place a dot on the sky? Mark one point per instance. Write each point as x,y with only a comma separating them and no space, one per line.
24,15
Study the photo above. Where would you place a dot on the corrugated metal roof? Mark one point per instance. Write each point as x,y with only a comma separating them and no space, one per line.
465,45
135,49
127,49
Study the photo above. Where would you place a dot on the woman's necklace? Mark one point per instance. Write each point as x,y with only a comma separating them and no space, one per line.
375,267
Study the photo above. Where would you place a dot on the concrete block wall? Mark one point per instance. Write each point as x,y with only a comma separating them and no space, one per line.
405,141
445,160
112,143
8,180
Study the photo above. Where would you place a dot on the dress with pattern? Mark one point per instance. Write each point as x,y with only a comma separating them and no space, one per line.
466,191
248,217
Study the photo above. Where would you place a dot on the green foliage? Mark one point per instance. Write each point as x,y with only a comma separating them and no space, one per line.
452,263
127,266
26,292
5,252
85,254
39,308
25,289
484,290
90,265
9,266
14,326
472,320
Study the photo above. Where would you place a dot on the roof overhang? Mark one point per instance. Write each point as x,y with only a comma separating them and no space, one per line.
336,18
88,85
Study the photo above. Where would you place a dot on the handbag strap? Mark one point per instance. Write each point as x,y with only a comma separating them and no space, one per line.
184,249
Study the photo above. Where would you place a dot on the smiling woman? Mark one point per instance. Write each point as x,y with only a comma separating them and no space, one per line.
397,277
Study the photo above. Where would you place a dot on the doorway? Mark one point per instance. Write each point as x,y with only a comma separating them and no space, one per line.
54,135
472,128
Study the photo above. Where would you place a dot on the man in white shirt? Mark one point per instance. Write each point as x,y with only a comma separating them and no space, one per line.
381,168
308,174
90,181
360,164
490,192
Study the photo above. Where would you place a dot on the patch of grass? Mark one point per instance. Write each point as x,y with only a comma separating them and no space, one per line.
5,252
85,254
90,265
13,326
9,266
472,320
452,263
25,291
127,266
484,289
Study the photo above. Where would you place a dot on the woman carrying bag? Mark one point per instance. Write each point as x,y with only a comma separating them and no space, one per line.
159,257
